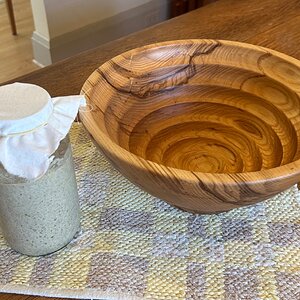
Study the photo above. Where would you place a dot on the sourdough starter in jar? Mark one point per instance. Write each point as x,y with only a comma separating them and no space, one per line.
39,205
42,215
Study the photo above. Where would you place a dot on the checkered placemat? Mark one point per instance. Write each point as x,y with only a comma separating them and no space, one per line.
134,246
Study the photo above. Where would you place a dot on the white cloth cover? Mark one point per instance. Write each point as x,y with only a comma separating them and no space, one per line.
32,126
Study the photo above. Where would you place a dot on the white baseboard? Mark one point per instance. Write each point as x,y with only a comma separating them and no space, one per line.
37,63
41,50
68,44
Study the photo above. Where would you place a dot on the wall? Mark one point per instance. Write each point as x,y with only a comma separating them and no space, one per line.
68,15
66,27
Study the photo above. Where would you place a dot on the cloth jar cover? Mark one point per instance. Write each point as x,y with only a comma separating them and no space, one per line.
32,126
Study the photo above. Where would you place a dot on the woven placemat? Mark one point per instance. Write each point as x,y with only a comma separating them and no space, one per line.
134,246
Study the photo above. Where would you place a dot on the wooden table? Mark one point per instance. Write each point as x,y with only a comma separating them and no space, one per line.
270,23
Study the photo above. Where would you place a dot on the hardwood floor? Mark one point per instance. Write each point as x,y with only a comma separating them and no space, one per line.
16,51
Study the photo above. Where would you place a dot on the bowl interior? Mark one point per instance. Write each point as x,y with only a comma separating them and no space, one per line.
204,106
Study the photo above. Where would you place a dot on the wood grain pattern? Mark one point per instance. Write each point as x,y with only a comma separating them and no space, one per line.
270,23
206,125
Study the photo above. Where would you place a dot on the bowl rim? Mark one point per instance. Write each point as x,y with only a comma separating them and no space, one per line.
287,171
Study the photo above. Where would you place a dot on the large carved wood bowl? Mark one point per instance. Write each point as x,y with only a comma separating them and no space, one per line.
205,125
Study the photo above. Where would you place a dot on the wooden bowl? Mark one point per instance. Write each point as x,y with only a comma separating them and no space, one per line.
205,125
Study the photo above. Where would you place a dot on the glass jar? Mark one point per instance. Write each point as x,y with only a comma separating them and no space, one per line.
40,216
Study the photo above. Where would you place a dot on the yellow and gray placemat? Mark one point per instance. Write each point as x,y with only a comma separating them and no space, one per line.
134,246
